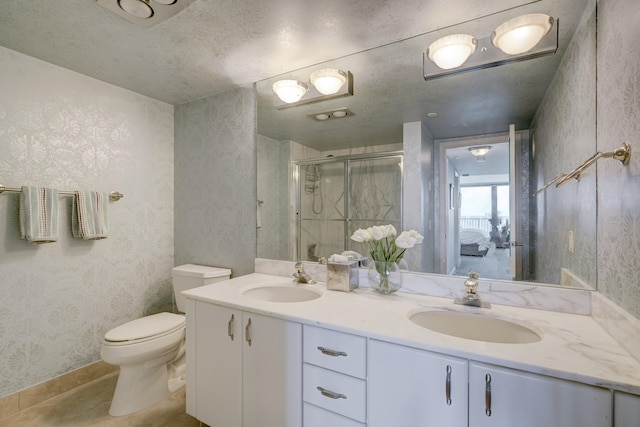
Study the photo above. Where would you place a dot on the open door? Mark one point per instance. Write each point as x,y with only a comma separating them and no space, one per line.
515,244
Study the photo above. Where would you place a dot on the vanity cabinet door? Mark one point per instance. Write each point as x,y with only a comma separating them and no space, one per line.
501,397
626,409
272,372
214,375
415,388
243,369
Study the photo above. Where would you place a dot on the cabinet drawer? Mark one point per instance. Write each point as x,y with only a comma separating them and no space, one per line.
337,351
342,394
318,417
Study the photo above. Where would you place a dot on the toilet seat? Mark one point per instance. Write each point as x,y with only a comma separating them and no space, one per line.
144,329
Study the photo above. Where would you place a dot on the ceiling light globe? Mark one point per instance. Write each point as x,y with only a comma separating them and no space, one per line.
290,91
165,2
137,8
328,80
522,33
452,51
480,151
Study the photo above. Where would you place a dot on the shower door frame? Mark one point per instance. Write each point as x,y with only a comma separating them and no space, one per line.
296,219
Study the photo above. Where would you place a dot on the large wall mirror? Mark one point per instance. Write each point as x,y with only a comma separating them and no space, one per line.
401,155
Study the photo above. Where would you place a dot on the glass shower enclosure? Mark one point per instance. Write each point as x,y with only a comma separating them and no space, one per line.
334,196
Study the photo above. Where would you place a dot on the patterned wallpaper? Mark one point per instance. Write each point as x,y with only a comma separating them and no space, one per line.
563,136
215,181
619,121
65,130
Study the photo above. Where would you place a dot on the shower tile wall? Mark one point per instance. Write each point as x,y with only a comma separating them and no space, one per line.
61,129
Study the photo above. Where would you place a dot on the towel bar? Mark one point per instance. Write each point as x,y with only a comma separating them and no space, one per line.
113,196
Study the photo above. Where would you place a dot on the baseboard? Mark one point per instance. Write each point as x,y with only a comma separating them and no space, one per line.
24,399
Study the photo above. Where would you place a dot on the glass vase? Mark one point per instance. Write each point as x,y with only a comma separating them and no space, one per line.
384,276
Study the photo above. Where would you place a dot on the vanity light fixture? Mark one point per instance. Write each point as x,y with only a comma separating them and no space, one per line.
289,90
145,13
328,80
452,51
522,33
326,83
518,39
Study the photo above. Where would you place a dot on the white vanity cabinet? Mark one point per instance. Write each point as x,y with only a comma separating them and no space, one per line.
334,378
243,369
501,397
626,410
415,388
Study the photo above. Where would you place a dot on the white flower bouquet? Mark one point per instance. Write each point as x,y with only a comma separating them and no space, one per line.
384,244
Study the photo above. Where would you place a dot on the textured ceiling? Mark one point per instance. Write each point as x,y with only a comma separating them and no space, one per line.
215,45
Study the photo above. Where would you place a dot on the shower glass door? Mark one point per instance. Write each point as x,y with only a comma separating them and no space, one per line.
336,196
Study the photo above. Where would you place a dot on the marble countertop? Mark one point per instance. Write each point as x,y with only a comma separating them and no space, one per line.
573,347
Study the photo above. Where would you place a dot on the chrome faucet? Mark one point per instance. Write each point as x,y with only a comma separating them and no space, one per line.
472,298
300,275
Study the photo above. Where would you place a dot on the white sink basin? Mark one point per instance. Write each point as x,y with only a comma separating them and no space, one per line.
478,327
282,293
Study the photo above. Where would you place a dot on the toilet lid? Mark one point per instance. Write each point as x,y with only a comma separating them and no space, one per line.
145,327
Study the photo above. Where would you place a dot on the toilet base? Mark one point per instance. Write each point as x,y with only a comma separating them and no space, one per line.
138,387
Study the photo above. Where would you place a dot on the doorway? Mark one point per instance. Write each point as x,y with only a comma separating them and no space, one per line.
475,206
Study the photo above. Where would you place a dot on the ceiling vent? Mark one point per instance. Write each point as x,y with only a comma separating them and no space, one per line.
145,13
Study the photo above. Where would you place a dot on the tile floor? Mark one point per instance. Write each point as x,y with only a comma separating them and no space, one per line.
88,405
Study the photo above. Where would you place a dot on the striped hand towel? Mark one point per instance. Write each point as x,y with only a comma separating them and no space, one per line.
89,215
39,214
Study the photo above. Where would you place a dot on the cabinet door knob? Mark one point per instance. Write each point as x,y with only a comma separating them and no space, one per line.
331,394
247,332
230,328
487,395
447,385
329,352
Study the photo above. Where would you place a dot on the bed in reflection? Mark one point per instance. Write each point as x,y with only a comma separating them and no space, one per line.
474,242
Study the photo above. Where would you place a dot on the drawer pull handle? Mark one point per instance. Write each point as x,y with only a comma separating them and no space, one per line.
247,332
448,385
487,395
329,352
331,394
230,328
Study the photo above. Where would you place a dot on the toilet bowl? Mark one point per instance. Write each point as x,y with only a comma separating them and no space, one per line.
151,350
143,348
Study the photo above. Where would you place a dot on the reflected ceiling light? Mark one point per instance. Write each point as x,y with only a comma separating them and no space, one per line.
165,2
480,151
326,83
289,91
522,33
137,8
328,80
452,51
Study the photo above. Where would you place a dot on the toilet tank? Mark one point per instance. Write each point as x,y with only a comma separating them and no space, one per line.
190,276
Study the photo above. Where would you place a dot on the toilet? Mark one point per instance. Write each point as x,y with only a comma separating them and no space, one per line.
150,350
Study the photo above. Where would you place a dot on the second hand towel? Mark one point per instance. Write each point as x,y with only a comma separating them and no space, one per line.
89,215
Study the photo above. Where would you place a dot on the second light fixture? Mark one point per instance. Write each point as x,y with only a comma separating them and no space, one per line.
326,81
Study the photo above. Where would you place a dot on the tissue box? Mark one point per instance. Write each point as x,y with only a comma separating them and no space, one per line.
342,276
